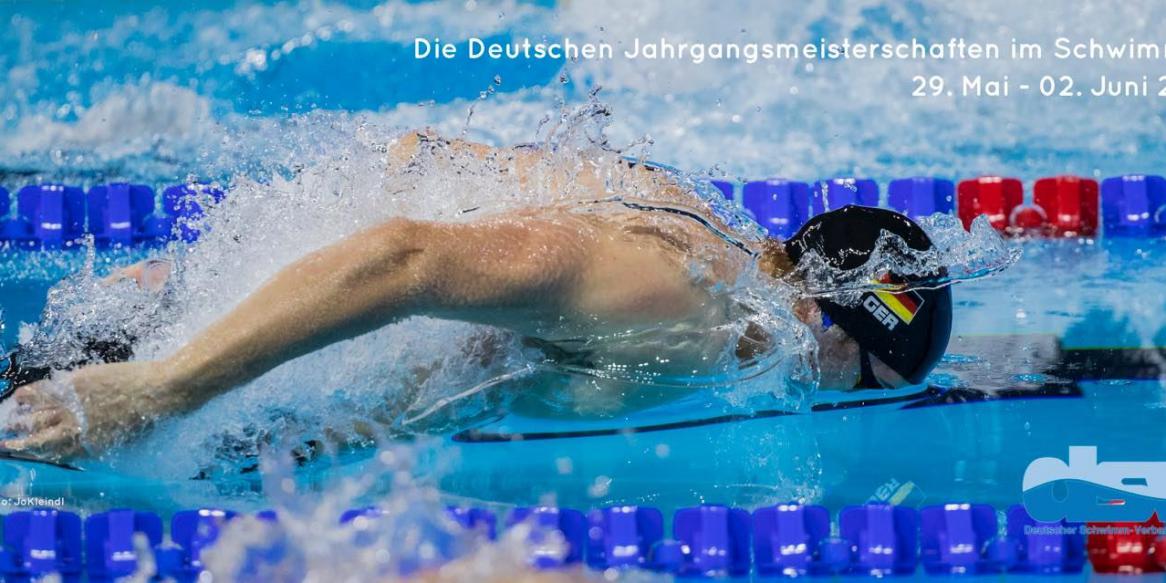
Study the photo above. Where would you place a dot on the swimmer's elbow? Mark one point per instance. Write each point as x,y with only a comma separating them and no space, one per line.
395,234
402,245
387,260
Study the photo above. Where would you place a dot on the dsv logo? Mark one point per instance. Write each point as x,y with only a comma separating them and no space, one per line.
1084,490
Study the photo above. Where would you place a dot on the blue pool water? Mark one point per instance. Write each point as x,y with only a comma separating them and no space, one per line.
1062,295
283,102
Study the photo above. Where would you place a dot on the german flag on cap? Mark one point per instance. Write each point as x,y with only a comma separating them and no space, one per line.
904,304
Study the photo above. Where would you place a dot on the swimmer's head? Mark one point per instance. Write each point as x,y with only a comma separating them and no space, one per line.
899,335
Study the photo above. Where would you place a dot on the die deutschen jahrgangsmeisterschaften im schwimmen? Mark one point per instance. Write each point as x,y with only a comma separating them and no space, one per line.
1062,48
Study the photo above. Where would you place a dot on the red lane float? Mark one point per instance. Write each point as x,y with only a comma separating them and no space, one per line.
1070,205
1026,220
1062,206
1127,548
994,196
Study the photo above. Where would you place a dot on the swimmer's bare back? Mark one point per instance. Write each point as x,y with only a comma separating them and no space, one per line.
541,273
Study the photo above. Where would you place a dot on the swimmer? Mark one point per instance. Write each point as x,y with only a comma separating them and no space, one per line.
553,275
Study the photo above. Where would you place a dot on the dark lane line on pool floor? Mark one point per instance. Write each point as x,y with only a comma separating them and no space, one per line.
930,397
1069,366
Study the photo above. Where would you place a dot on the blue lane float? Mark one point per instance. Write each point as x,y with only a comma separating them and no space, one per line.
953,538
191,533
717,539
49,216
788,538
726,188
921,196
353,513
56,216
118,213
780,206
185,204
571,524
475,519
5,207
1134,206
708,541
835,193
622,536
110,552
882,539
1043,548
41,541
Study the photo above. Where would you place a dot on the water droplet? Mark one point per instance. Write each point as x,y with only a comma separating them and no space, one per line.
600,487
564,465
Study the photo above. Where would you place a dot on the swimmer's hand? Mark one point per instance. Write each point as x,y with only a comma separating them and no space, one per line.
150,275
88,410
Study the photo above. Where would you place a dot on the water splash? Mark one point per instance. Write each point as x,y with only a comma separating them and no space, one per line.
411,370
796,118
84,307
956,256
409,536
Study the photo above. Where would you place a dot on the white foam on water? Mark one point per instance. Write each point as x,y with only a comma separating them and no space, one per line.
796,119
405,534
132,121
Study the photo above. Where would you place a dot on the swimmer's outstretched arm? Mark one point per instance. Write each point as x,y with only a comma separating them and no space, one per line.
508,272
503,272
494,272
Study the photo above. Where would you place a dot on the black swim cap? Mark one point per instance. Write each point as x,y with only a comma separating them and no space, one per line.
908,330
